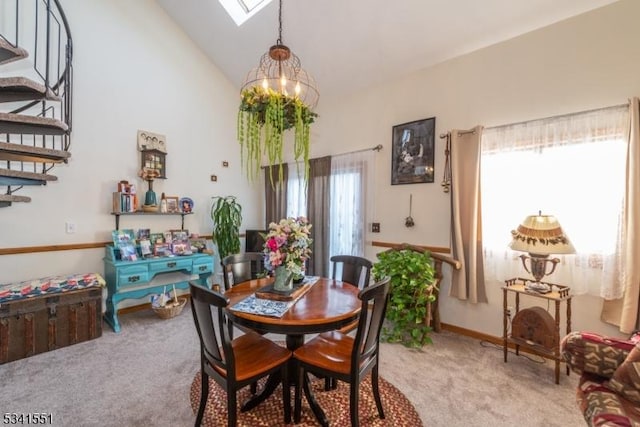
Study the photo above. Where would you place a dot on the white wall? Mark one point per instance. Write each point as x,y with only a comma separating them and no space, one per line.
133,69
586,62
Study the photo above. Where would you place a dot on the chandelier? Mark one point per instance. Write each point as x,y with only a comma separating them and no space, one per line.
280,70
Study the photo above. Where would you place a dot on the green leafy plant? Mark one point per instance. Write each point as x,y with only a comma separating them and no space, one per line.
263,117
226,214
412,290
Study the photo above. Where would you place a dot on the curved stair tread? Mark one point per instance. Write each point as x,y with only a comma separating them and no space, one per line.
21,123
7,199
23,89
16,177
10,53
28,153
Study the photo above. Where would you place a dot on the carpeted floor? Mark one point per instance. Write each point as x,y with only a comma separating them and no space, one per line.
399,412
143,375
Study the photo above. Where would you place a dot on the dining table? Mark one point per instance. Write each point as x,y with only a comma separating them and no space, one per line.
326,305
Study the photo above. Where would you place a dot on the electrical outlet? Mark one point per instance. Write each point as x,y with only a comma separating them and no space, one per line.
70,227
375,227
509,311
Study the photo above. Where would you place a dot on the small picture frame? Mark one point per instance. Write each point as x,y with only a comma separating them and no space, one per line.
172,204
413,147
186,205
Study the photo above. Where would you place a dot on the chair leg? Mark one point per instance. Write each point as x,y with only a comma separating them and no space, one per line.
354,390
286,394
376,391
204,395
254,387
327,383
232,408
297,409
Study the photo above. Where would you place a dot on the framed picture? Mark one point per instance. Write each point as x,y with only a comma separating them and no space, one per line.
413,146
172,204
186,205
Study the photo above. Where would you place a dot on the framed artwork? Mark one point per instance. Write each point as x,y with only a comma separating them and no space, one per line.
413,146
172,204
186,205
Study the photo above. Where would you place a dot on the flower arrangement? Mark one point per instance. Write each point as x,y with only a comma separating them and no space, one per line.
288,244
148,174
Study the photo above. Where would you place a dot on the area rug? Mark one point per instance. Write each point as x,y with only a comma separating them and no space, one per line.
399,412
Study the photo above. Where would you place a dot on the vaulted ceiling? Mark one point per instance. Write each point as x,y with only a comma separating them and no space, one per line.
350,44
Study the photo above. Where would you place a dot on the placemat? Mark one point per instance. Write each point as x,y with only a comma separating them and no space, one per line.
268,307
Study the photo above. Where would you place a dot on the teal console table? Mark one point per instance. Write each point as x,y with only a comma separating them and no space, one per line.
134,279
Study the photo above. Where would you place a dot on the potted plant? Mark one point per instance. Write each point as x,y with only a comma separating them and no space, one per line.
263,117
226,214
412,291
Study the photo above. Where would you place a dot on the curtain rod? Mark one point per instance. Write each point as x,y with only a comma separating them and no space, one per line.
561,115
460,132
376,148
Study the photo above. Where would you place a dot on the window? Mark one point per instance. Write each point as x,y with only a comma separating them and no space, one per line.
351,202
572,167
241,10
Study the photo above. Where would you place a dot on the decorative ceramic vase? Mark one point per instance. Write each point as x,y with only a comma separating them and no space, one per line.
150,197
284,279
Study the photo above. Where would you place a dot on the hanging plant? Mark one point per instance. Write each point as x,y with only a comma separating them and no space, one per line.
263,117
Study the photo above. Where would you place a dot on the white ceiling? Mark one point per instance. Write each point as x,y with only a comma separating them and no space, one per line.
351,44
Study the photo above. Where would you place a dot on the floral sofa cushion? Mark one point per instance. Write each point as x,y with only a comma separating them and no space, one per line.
48,285
608,385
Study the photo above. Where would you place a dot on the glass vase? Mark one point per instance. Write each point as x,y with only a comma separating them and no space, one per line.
284,279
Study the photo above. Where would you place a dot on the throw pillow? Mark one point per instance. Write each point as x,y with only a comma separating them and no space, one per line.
626,379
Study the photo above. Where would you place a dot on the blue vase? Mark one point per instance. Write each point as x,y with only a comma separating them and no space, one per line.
284,280
150,198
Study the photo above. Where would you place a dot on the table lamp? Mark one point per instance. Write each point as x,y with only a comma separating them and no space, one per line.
540,236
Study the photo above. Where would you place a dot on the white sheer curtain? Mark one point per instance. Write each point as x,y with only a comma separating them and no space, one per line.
296,192
351,202
572,167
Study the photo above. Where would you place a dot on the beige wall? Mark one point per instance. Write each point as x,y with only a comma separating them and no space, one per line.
586,62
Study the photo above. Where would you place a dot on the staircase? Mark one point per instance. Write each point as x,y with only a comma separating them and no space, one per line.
35,95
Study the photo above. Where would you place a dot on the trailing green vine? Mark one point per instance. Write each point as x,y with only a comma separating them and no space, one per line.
263,117
412,277
226,214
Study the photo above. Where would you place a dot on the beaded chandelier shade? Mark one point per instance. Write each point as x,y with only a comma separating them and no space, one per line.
281,70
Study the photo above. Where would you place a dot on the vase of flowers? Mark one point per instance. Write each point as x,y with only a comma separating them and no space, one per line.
287,247
150,199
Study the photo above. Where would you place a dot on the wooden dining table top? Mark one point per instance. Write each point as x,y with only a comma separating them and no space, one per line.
329,304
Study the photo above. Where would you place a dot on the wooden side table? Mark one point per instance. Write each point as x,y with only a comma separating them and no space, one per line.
534,328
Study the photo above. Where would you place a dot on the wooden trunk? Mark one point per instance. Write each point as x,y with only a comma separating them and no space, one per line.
34,325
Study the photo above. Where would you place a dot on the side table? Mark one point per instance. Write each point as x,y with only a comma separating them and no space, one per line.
534,328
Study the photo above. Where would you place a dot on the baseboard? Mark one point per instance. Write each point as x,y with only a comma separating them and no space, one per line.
499,341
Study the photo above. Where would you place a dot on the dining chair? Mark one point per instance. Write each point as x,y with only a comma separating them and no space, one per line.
232,363
239,268
344,357
355,271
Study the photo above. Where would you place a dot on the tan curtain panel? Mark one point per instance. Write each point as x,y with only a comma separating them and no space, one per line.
466,222
623,312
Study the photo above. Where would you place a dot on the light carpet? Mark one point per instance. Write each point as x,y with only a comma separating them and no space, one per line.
142,377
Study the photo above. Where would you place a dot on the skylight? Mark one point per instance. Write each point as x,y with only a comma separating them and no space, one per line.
242,10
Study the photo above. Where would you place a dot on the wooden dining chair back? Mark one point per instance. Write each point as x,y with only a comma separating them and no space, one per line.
346,358
353,269
239,268
233,364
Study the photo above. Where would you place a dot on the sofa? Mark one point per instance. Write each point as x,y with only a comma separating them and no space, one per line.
608,391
